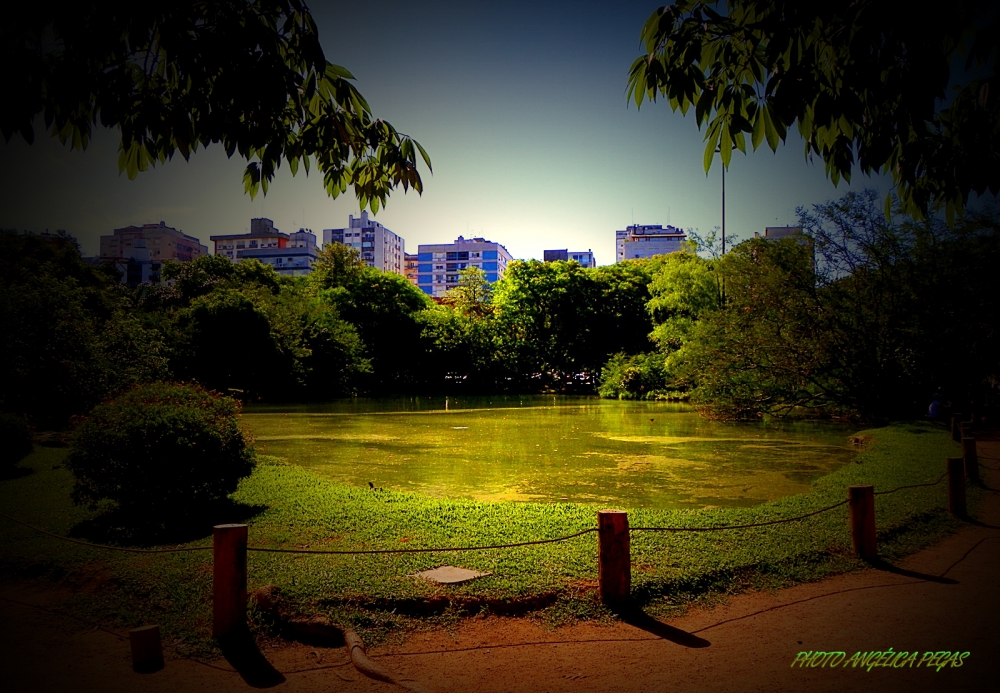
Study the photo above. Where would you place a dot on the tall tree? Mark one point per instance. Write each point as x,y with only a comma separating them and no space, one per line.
473,293
863,80
178,74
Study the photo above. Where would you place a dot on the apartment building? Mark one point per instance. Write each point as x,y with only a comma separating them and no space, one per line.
140,251
411,262
439,264
162,241
584,257
379,247
290,254
646,240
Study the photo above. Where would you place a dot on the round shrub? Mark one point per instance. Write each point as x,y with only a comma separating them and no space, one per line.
161,446
15,440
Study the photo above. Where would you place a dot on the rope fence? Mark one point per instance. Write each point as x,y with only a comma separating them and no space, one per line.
452,549
725,527
428,550
107,547
230,546
900,488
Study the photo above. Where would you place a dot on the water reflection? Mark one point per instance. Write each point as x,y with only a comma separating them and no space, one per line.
551,449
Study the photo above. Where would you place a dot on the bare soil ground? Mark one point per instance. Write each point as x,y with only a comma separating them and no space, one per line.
945,598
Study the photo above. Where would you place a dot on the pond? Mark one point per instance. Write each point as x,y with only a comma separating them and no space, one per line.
552,449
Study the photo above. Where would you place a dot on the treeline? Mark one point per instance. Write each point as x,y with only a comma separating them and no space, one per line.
861,316
73,335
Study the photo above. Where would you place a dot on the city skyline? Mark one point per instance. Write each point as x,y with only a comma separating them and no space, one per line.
523,111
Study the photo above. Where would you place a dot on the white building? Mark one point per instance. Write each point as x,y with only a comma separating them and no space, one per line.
646,240
290,254
295,259
379,247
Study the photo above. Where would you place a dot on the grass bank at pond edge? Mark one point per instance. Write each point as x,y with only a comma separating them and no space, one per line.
376,595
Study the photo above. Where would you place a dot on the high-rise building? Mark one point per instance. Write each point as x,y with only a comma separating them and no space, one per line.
379,247
139,251
584,257
439,264
647,240
289,254
162,241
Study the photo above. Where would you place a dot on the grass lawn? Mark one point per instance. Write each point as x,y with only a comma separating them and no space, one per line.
287,506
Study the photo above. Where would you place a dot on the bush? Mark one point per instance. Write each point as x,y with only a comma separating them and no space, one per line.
161,446
643,376
15,440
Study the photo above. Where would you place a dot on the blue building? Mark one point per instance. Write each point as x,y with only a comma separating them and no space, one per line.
438,265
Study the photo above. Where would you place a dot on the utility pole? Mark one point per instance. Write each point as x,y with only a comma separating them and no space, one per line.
723,209
718,150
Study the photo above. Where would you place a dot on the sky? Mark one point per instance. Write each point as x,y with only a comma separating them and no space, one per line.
522,108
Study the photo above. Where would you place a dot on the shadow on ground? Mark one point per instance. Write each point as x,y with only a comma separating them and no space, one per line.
883,565
637,618
242,652
15,472
128,527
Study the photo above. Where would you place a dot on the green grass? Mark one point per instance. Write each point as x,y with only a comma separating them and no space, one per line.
377,596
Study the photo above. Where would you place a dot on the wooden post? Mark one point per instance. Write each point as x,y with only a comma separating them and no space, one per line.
956,486
147,652
971,458
956,430
614,557
862,504
229,579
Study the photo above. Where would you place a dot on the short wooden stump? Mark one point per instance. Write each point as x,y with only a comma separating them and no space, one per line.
147,651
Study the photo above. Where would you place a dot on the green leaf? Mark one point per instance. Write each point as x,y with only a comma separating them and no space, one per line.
770,131
424,156
757,136
334,71
710,146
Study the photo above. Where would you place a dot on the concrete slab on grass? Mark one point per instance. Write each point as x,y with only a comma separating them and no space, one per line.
450,575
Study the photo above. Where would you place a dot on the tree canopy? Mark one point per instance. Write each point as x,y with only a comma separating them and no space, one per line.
866,83
175,75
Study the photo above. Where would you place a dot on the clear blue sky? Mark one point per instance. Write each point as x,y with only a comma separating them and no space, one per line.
522,108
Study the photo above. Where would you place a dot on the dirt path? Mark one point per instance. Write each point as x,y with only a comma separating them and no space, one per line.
946,597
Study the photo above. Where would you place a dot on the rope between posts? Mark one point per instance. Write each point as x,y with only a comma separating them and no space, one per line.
755,524
900,488
430,550
359,552
985,466
105,546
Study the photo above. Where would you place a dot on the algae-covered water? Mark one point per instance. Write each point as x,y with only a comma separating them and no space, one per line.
552,449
